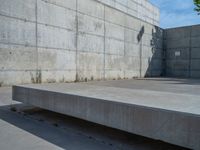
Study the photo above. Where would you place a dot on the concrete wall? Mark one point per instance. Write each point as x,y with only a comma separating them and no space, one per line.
182,46
65,40
138,8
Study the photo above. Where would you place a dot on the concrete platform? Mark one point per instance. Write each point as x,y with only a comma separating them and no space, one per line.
30,128
163,109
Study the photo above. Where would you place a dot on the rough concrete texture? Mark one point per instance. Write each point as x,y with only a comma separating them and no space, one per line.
142,9
149,108
35,129
61,41
183,51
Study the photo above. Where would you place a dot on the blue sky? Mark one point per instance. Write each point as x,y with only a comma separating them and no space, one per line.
175,13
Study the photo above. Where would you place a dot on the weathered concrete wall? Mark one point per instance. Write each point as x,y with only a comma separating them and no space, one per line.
182,47
138,8
65,40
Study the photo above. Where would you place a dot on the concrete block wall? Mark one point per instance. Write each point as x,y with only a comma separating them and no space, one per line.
64,40
182,46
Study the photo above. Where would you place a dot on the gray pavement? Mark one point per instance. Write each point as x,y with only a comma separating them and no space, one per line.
40,129
173,85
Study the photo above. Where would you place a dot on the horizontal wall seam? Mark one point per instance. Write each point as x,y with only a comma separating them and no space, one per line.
107,6
59,27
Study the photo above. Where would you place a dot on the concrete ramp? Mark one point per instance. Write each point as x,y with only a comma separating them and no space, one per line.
167,116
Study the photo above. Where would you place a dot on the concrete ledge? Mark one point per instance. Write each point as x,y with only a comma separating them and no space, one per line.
165,116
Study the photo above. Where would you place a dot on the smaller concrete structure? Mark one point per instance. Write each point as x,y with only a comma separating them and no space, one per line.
182,46
156,108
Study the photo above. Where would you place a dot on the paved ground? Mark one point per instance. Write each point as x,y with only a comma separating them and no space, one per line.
39,129
174,85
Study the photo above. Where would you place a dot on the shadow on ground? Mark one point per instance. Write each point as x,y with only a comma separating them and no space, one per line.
186,81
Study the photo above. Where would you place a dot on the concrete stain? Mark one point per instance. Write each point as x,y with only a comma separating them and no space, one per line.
39,76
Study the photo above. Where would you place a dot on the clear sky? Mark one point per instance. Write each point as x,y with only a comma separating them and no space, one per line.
175,13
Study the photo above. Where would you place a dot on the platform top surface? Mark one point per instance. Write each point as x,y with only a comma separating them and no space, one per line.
179,95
